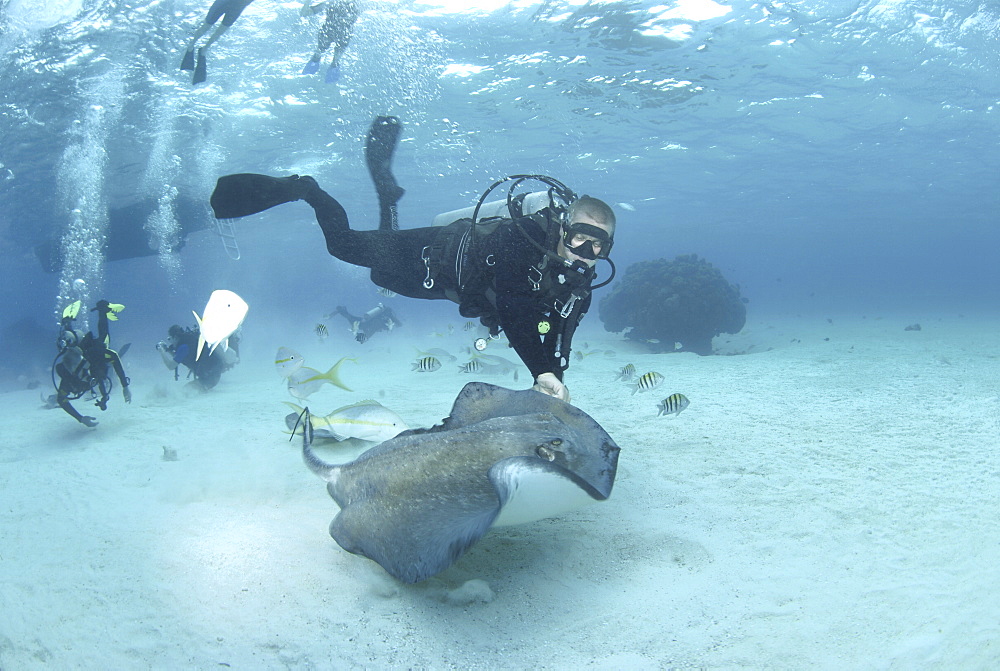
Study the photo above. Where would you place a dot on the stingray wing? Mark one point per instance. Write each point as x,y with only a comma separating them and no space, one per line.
415,541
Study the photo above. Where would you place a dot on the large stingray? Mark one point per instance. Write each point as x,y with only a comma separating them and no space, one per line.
417,502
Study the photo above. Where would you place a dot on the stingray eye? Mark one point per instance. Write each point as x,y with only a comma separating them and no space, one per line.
557,442
546,453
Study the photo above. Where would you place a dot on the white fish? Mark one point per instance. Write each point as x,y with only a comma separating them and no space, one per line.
365,420
629,207
223,314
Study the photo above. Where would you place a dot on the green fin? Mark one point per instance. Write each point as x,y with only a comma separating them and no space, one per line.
72,310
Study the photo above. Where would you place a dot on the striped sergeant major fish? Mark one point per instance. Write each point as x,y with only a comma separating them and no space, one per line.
626,373
648,381
472,367
673,404
426,364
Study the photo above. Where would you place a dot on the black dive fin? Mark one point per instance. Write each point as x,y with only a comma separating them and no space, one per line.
247,193
187,63
383,136
201,69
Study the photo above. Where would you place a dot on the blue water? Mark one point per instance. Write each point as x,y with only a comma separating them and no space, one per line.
828,157
834,159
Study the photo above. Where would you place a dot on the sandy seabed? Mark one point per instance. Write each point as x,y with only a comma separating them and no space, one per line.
830,499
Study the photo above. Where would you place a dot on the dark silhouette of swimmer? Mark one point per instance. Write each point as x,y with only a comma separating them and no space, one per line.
379,318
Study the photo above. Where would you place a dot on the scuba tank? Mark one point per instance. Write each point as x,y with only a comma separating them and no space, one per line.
530,203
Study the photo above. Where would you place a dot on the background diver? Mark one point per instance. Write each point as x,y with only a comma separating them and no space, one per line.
379,318
529,274
181,348
84,362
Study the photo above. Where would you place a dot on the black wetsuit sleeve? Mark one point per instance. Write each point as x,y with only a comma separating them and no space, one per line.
116,363
519,308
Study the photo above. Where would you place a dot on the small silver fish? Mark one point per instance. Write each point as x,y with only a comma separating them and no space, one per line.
388,293
426,364
626,373
673,404
648,381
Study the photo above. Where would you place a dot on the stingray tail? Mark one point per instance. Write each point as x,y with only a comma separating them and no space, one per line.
328,472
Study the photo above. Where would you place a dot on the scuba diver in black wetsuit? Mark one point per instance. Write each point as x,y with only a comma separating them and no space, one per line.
83,362
528,273
181,348
379,318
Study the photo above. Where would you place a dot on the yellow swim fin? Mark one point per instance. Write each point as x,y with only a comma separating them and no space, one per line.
114,308
72,310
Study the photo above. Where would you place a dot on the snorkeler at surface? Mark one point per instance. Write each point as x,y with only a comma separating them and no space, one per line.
529,273
228,11
338,23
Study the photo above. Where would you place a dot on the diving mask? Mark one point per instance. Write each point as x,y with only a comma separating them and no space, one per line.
575,237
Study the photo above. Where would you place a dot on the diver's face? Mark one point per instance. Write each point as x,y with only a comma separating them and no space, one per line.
582,241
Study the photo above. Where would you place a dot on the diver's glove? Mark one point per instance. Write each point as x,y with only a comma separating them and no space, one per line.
89,421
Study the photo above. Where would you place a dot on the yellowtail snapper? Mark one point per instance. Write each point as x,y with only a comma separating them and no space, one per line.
365,420
306,381
673,404
287,361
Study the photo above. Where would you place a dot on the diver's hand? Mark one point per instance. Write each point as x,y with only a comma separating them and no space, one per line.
89,421
127,393
548,383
